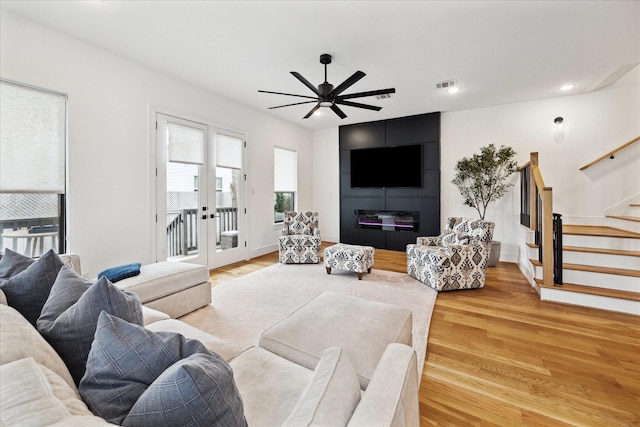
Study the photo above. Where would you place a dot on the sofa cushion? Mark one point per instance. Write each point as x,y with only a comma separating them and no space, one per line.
270,385
217,345
19,339
332,394
120,272
28,290
151,316
363,328
32,395
13,263
126,359
70,328
197,390
164,278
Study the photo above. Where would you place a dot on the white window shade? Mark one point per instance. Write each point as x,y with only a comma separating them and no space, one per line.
285,174
228,152
186,144
32,140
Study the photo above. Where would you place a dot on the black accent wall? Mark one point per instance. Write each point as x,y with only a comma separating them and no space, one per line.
421,129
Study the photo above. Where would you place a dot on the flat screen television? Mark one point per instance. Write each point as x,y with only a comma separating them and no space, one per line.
387,167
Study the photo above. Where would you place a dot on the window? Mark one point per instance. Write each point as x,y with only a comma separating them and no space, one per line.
32,168
285,182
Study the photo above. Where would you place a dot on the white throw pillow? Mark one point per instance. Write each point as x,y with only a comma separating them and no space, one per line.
331,396
31,394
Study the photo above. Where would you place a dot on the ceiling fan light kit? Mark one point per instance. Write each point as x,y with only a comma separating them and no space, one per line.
329,96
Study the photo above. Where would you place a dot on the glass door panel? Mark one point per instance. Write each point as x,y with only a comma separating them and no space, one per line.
229,200
181,197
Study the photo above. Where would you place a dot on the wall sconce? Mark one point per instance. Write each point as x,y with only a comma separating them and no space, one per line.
558,129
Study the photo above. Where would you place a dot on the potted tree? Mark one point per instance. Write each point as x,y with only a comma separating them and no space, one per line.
482,179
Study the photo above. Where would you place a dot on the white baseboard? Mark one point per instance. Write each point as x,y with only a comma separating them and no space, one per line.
254,253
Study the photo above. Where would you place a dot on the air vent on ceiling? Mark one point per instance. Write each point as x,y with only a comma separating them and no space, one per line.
383,96
445,84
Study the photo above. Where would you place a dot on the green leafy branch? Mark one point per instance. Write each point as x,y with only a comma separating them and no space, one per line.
482,178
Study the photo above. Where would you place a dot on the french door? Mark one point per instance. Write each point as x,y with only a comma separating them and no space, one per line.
200,212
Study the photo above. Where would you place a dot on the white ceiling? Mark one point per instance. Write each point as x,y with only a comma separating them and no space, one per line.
498,51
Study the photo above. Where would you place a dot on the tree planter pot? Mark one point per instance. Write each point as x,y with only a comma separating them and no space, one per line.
494,254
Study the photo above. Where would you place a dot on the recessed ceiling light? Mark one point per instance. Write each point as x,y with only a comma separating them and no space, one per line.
317,113
567,87
453,89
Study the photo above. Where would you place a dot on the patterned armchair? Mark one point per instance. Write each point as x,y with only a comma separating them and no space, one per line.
299,242
456,259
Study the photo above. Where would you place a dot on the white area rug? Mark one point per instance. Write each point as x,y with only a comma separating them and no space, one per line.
243,308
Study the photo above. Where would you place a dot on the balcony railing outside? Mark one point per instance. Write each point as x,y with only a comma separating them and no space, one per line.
183,229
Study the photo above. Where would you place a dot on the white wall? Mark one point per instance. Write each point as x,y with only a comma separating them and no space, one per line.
110,183
595,124
326,183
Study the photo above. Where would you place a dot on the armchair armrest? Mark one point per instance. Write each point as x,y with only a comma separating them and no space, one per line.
391,398
434,255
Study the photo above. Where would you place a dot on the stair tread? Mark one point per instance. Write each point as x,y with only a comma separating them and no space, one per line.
601,251
597,230
593,290
594,269
625,217
594,250
606,270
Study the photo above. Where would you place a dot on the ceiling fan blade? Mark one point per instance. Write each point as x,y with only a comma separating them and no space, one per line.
346,84
359,105
369,93
289,105
288,94
305,82
338,111
313,110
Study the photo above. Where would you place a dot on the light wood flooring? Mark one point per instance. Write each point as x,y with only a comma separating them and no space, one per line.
499,356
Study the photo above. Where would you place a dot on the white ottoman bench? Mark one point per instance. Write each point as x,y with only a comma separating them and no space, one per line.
175,288
363,328
357,259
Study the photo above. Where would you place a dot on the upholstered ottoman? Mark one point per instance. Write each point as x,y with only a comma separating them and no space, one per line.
357,259
363,328
175,288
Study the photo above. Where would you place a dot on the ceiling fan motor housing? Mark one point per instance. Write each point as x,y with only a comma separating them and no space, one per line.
325,59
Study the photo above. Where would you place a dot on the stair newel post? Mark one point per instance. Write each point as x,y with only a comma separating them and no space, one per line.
547,237
533,192
557,249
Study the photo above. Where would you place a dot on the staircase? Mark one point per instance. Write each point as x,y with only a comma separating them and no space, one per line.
601,265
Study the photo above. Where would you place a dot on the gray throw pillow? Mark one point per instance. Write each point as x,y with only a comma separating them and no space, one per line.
131,367
66,291
12,263
196,391
70,326
28,290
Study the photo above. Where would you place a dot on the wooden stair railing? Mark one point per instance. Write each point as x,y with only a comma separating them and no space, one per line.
538,189
610,154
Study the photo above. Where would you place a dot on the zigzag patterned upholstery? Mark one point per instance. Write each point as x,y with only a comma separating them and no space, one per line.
456,259
299,242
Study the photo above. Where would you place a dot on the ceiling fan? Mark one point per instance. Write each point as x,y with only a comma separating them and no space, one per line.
329,96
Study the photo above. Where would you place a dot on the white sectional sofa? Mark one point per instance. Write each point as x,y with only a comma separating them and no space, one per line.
286,379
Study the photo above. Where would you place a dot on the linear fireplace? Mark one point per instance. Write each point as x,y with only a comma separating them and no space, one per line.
387,220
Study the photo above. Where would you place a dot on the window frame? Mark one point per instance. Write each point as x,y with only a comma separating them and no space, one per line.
279,184
61,197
